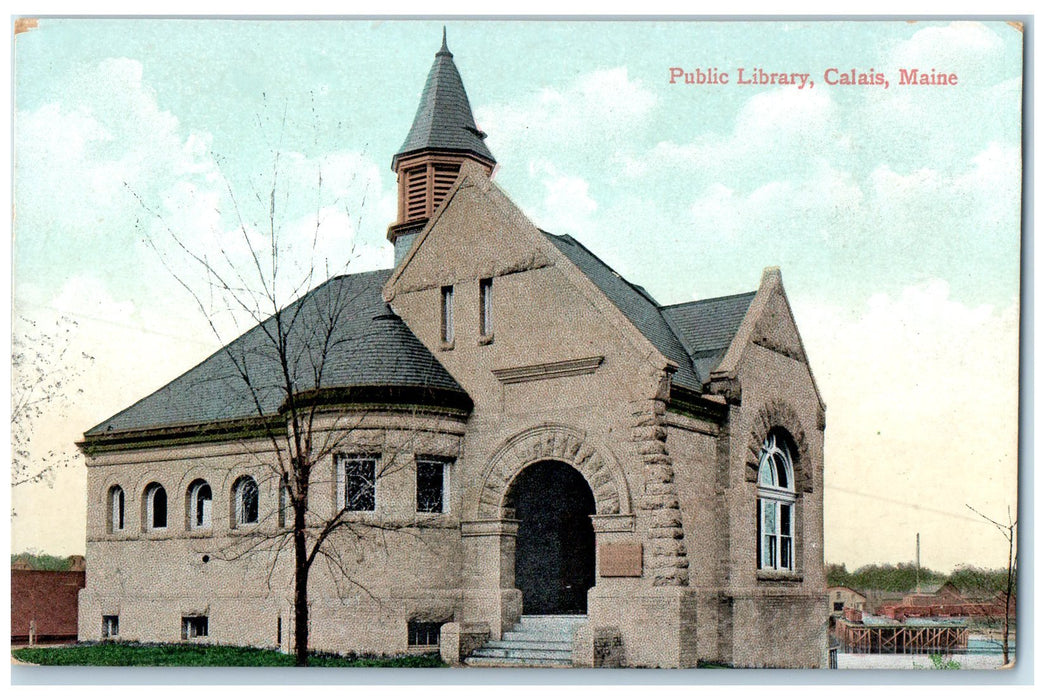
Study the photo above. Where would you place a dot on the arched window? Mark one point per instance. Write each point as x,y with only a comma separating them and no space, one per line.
116,509
776,505
198,503
155,507
244,501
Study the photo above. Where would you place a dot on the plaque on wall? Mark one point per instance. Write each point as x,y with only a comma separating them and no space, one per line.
619,559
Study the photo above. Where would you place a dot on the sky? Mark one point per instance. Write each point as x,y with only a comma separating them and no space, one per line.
894,214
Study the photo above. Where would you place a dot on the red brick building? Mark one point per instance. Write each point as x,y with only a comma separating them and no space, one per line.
48,598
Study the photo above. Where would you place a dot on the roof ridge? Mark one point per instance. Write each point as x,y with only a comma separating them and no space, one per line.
637,287
679,355
703,301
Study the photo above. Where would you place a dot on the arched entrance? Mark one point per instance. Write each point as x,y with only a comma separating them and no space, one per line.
555,547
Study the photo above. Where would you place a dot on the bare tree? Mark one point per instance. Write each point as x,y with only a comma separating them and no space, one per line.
1008,531
44,370
269,283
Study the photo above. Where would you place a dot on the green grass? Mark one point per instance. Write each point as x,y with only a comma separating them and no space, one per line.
115,654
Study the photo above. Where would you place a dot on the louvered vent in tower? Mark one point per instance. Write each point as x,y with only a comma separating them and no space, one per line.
416,191
445,175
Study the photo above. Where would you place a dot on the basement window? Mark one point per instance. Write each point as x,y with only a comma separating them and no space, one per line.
423,634
193,627
110,626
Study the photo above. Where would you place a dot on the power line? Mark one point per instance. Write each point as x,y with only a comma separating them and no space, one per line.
907,504
108,321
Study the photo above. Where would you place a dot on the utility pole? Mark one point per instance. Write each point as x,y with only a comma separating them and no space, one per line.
917,562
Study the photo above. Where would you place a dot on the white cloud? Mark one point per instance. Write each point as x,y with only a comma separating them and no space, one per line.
567,206
824,204
777,133
968,48
597,108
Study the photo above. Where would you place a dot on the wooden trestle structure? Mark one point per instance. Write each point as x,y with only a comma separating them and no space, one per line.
901,638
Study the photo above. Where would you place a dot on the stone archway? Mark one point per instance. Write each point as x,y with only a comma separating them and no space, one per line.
778,414
555,544
559,443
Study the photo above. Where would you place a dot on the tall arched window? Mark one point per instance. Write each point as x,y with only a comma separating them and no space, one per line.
199,502
116,509
155,507
244,501
776,505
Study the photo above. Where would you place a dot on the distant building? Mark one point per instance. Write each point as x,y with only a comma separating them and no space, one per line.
44,602
841,597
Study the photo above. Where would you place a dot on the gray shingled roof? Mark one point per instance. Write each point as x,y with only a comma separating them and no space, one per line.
444,118
370,347
708,326
635,303
694,335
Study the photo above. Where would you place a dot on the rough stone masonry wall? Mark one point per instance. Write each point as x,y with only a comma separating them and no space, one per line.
665,558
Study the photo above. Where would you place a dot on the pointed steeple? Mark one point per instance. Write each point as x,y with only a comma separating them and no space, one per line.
442,137
444,118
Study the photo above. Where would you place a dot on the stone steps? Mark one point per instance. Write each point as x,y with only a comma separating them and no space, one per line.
544,641
529,643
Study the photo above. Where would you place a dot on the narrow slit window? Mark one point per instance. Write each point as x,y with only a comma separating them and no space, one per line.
284,502
486,307
448,314
116,509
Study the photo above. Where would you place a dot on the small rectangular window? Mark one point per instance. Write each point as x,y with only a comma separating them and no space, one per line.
839,605
423,634
110,626
430,486
358,474
447,294
486,307
194,626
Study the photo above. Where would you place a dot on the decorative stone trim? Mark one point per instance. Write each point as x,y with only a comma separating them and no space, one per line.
548,370
778,414
482,528
560,443
779,576
613,523
666,557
